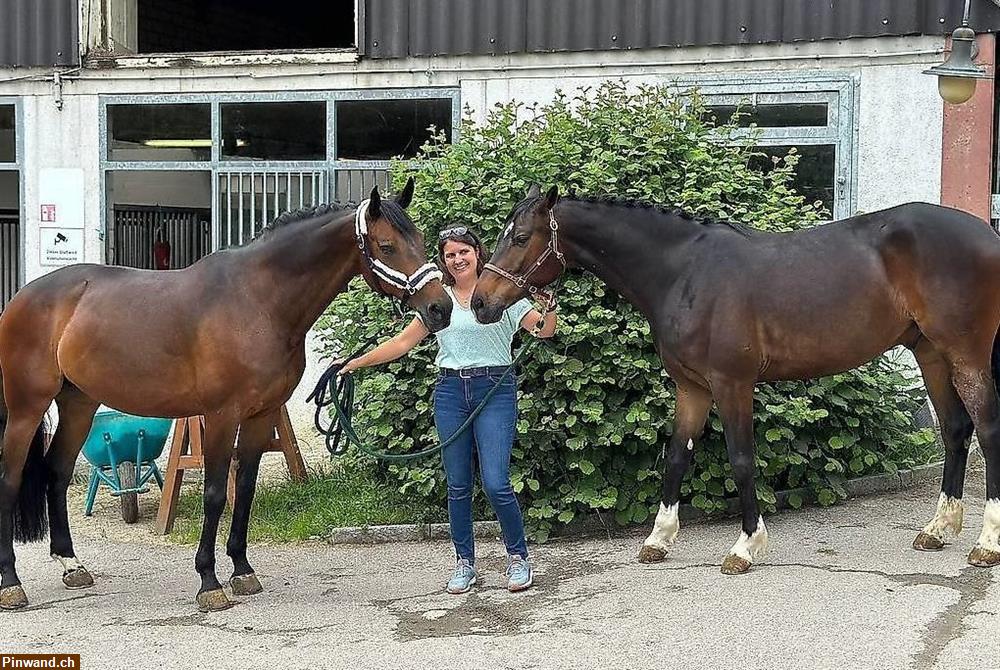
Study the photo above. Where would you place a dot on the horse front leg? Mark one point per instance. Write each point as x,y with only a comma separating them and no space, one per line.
218,453
693,404
76,414
253,440
735,402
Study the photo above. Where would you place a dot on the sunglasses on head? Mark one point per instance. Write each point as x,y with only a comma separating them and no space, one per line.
457,231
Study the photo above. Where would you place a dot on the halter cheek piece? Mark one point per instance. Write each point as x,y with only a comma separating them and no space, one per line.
547,298
384,274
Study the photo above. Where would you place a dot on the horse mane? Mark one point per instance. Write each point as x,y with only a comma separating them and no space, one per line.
391,211
615,201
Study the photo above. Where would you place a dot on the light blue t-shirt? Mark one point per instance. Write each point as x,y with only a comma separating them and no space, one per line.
466,343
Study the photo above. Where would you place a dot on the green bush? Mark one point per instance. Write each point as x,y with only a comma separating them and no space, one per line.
595,406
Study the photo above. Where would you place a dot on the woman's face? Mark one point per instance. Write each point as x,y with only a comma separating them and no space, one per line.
460,259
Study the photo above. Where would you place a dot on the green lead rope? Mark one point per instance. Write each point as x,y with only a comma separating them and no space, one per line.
338,391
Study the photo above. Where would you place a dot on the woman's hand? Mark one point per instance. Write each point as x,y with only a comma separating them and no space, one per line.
348,367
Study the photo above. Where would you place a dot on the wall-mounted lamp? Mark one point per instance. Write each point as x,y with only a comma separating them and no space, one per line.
958,74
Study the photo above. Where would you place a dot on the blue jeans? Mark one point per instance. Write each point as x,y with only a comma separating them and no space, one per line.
492,434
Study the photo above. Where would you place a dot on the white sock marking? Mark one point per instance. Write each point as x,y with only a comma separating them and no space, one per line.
752,547
665,528
69,564
989,539
947,521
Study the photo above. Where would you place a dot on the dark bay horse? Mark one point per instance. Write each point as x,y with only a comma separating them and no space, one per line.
730,307
224,338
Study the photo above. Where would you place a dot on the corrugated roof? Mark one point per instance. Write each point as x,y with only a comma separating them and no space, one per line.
401,28
39,32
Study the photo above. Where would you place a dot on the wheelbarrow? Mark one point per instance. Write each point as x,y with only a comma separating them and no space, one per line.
122,451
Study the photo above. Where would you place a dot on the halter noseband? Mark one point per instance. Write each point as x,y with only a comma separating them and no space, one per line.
409,285
521,280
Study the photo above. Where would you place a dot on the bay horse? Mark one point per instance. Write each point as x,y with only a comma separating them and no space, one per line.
223,338
730,306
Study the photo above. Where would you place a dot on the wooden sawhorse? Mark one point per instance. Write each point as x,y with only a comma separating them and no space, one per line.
186,454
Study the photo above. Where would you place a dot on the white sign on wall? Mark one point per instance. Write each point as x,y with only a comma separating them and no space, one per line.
61,197
61,246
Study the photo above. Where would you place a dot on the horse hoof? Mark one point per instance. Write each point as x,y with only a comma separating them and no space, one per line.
214,601
13,598
927,542
984,558
245,585
650,554
77,579
734,565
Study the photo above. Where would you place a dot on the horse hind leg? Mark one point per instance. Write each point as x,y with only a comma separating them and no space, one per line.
956,430
254,436
976,387
692,408
76,415
23,479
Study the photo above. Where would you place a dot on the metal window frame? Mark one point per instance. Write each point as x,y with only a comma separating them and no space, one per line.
216,165
18,166
838,89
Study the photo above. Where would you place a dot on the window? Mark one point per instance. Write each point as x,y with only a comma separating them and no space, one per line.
812,114
8,146
383,129
274,131
171,132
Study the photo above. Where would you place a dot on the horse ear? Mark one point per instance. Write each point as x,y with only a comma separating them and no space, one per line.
551,197
534,191
404,198
374,204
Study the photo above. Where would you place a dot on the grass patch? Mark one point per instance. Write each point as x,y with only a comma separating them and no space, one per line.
291,511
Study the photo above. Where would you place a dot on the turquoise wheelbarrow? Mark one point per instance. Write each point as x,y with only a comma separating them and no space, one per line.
122,450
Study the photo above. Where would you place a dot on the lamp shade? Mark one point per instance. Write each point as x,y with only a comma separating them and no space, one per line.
958,74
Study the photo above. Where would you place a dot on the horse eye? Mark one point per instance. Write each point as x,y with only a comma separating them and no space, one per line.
521,240
386,248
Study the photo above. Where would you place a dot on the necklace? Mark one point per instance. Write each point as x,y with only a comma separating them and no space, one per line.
462,301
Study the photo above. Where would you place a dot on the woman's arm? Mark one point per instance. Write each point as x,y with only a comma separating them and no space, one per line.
391,349
539,326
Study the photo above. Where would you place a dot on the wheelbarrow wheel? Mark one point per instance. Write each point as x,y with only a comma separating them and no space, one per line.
129,501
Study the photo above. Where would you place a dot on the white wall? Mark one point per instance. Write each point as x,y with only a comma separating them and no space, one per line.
899,114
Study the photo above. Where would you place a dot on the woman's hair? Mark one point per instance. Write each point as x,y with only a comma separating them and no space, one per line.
462,235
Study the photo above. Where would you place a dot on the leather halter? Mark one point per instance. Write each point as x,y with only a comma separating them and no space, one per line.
551,249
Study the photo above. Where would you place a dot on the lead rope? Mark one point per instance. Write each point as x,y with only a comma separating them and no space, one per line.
338,391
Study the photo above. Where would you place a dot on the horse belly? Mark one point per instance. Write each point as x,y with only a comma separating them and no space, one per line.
832,336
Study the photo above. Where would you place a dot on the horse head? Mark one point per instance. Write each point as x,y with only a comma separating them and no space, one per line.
395,258
527,256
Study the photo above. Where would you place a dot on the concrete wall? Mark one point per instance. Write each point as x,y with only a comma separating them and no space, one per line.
899,114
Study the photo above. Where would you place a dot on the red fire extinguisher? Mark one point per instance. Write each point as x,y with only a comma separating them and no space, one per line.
161,252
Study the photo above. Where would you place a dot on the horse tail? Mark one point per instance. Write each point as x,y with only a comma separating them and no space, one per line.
30,509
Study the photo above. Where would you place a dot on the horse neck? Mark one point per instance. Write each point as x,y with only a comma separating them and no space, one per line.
627,247
305,268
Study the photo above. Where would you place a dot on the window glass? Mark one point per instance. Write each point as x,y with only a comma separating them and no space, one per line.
8,134
815,172
274,131
172,132
378,130
809,114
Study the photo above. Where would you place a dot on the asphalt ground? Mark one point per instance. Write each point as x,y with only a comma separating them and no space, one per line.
840,588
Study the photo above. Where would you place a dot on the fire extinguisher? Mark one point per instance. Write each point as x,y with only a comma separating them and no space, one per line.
161,252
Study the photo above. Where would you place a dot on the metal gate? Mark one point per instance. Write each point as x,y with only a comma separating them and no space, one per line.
250,199
135,229
10,255
354,185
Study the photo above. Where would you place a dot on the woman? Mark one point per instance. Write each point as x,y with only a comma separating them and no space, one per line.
473,358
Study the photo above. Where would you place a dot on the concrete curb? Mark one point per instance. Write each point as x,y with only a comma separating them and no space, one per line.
863,486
